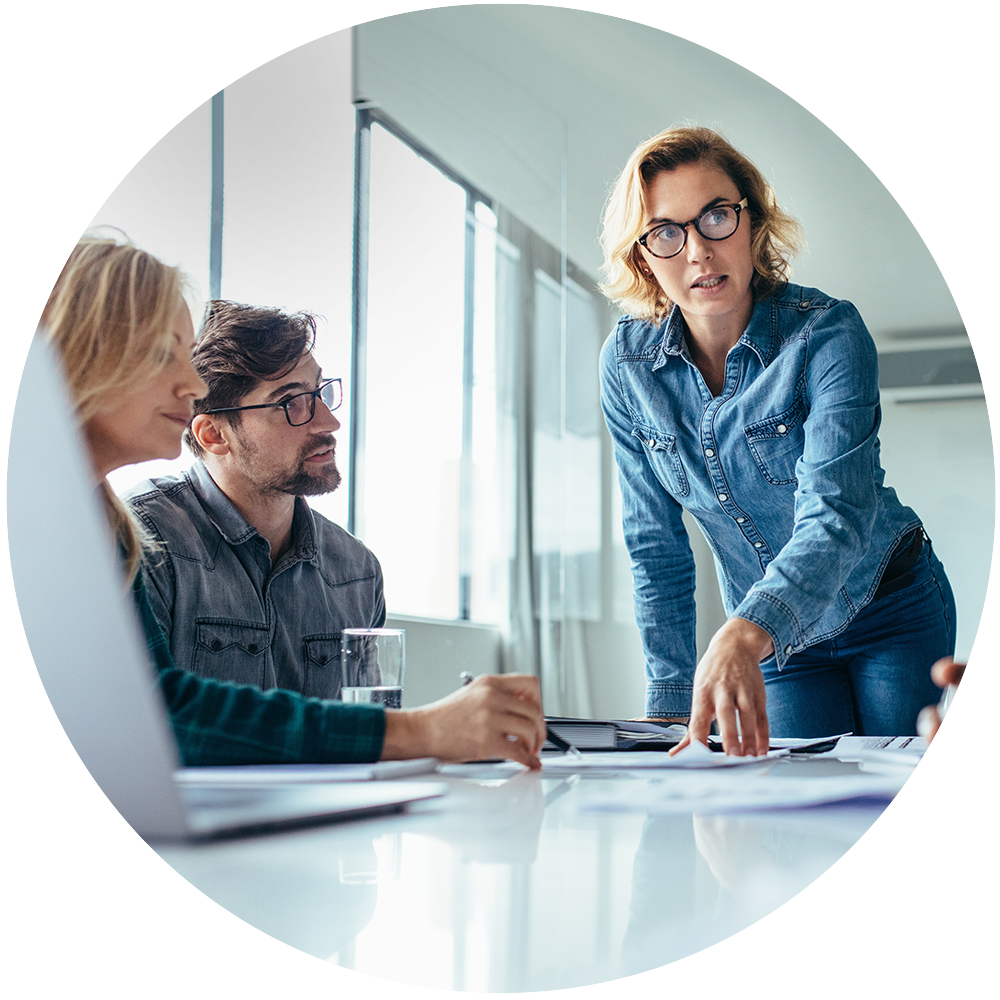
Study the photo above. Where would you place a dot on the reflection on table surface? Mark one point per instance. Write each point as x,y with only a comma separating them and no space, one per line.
506,885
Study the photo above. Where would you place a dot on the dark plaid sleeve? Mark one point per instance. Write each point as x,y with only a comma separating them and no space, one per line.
220,723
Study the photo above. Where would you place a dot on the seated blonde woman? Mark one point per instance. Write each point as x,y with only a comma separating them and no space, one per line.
119,320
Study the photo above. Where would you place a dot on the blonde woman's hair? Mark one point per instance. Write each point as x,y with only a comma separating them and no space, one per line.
110,316
774,235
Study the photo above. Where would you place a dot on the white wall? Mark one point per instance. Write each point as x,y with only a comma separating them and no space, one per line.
437,652
938,456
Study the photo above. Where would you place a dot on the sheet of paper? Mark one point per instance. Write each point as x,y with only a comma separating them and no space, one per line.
694,756
268,774
742,791
857,747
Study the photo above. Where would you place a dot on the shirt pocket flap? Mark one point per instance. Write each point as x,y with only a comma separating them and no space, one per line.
217,636
777,443
664,459
323,650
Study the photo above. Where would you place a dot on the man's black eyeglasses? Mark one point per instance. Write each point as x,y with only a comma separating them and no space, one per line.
300,408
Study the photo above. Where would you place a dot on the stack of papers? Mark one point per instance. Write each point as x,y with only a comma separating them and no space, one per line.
612,734
695,756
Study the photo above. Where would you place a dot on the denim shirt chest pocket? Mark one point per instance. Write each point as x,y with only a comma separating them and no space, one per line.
322,659
231,651
777,443
664,458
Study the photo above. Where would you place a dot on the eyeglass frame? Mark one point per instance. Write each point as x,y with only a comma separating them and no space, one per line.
315,393
736,206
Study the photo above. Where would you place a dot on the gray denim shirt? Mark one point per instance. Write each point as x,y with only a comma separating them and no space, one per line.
227,613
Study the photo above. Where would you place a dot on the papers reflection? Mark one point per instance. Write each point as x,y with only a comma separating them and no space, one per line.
736,792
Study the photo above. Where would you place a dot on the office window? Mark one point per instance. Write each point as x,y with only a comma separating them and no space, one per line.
414,378
287,171
162,205
289,162
478,454
425,455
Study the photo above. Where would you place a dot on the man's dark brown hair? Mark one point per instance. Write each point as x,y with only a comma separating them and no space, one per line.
240,346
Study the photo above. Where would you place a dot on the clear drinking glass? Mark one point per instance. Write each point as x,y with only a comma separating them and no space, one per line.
372,662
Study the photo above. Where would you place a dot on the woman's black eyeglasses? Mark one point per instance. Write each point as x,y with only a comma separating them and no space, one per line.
669,238
300,408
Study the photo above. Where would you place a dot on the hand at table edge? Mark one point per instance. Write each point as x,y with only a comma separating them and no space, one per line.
944,672
728,682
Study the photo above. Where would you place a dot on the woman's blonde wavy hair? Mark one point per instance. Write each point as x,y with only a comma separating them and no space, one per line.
110,316
774,235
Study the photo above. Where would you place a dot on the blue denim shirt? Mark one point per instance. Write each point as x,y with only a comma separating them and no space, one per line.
780,470
227,613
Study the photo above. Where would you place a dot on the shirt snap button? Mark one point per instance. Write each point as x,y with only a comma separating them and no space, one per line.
252,647
709,452
723,498
740,520
788,650
651,443
782,429
758,545
805,303
216,645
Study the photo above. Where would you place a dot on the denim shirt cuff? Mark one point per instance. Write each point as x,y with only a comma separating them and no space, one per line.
665,700
776,619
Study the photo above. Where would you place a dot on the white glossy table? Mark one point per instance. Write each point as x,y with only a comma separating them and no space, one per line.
504,885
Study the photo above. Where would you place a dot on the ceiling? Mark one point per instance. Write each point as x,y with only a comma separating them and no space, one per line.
540,107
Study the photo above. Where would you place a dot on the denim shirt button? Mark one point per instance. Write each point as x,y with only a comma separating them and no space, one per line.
788,650
758,545
709,452
723,498
805,303
740,520
782,429
651,443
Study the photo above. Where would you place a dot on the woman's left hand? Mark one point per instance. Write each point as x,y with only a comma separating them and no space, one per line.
728,682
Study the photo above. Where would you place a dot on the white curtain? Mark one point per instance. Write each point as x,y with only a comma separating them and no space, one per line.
549,330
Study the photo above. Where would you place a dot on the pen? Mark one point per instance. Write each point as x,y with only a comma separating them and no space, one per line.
945,702
560,744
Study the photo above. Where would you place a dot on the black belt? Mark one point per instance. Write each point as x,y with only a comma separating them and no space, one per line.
897,574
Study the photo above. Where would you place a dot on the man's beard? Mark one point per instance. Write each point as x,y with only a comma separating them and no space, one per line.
301,482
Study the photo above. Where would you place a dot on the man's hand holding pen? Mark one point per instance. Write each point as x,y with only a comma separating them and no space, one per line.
494,715
946,673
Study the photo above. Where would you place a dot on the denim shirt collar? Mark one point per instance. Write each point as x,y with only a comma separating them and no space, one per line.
235,528
759,335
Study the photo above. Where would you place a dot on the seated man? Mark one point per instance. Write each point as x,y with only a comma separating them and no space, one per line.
251,585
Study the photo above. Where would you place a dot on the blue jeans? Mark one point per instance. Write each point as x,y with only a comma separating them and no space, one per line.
874,677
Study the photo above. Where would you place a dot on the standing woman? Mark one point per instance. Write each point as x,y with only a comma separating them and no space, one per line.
753,404
118,319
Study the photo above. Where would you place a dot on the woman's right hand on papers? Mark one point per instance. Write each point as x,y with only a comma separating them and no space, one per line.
727,683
